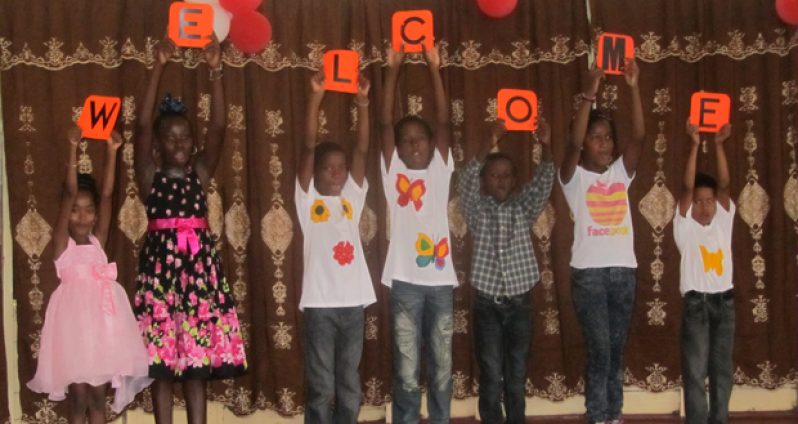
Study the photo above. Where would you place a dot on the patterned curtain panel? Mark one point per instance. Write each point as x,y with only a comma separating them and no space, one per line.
54,54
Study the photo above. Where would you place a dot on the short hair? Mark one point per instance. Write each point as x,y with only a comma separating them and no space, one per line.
87,184
169,110
493,158
322,150
706,181
410,119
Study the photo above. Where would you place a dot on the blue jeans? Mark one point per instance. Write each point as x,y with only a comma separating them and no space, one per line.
707,346
604,300
421,314
502,333
333,346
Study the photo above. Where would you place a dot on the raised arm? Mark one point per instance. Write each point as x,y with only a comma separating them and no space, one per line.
688,183
361,151
311,129
579,125
143,161
724,194
394,62
442,132
61,234
535,194
106,195
208,159
632,151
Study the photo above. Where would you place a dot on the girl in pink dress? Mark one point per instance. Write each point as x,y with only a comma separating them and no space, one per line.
90,337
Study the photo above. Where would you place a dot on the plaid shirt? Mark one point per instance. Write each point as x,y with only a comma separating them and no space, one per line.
503,261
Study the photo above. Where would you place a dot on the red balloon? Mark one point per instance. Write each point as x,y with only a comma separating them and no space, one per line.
240,6
250,32
497,8
788,11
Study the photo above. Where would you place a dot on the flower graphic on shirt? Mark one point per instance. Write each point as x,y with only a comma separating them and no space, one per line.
713,261
319,212
429,252
347,208
344,253
607,203
410,191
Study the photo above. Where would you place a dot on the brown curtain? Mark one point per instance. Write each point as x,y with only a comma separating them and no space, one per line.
52,58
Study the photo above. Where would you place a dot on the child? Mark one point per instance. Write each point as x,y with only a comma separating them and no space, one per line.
503,269
183,303
702,230
90,336
603,264
336,284
416,168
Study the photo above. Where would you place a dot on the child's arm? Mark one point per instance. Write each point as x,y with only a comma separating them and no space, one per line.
579,126
361,151
143,161
443,134
536,192
61,234
208,159
394,61
104,214
632,151
688,184
724,194
311,129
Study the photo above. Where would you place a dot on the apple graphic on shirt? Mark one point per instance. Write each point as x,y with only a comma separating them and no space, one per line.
607,203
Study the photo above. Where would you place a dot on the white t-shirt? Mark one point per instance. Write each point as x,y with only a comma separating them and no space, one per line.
706,264
603,235
335,271
420,246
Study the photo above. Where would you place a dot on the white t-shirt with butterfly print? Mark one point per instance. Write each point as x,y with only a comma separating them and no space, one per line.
335,271
603,234
706,264
420,247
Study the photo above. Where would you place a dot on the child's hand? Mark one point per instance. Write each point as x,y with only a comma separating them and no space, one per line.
74,134
723,134
393,58
692,131
433,57
115,141
631,72
543,133
497,131
213,53
317,83
594,80
164,51
363,87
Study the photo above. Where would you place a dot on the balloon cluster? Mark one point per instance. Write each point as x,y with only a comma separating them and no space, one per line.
247,28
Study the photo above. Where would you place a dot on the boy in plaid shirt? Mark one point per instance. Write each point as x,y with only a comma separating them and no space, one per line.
503,268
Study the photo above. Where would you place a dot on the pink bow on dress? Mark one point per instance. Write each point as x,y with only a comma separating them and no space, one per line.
106,275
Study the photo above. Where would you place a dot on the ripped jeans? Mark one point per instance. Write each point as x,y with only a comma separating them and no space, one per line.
421,315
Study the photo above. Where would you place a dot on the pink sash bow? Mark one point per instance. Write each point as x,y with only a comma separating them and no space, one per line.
106,275
186,236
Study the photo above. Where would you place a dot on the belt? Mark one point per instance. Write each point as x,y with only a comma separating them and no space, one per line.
728,294
186,234
501,299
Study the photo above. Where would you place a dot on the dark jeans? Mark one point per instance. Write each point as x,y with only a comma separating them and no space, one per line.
502,333
421,313
707,346
333,346
604,300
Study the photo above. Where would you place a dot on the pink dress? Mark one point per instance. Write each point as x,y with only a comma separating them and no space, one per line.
90,334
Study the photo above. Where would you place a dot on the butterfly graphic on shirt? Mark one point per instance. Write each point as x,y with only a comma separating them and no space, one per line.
713,261
410,191
431,252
